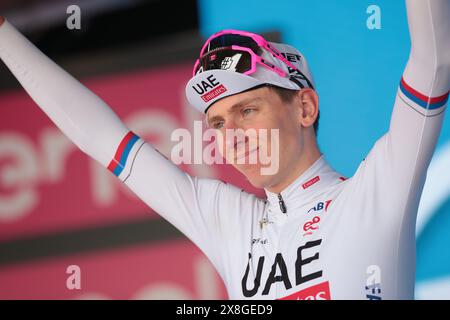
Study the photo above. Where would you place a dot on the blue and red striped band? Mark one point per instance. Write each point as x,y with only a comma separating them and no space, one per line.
422,100
120,158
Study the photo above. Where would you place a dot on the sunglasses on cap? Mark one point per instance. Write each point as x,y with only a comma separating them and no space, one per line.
239,51
233,58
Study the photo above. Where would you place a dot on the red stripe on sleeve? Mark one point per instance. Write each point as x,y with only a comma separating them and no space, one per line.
422,96
116,160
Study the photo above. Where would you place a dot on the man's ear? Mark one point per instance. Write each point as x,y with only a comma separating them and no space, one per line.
310,106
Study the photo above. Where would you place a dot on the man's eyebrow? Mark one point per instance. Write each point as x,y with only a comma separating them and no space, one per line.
236,106
242,103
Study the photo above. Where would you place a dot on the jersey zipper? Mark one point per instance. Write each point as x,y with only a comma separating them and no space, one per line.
284,211
281,203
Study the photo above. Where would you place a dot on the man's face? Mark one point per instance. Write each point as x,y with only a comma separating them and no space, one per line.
245,114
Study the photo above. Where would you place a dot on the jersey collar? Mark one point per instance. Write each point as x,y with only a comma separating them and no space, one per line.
309,185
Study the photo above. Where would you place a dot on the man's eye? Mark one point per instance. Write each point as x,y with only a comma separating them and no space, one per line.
246,111
217,125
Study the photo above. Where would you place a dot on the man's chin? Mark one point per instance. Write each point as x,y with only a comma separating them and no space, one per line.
258,183
254,176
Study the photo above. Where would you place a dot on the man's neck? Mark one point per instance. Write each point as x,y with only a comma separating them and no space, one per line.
301,166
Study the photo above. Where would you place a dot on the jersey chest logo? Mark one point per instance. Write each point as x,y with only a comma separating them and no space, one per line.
313,224
279,271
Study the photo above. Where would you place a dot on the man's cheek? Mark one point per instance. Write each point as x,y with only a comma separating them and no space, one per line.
220,142
223,147
269,152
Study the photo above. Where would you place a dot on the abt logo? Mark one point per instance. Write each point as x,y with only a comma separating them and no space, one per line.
313,224
320,291
320,206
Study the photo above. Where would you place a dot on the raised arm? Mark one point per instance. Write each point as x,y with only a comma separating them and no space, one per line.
79,113
423,92
399,160
187,202
428,67
391,178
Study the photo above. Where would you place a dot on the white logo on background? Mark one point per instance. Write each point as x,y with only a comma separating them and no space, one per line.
74,20
374,20
235,146
373,283
73,282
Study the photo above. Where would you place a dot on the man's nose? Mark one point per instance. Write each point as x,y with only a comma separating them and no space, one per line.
230,124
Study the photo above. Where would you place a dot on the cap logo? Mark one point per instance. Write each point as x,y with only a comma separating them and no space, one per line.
291,57
214,93
204,86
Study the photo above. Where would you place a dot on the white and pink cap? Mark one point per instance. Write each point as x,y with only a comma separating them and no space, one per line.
207,87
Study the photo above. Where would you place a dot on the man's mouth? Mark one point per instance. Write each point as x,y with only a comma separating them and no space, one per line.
246,154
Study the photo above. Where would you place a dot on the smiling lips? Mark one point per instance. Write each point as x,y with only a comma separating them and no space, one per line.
245,154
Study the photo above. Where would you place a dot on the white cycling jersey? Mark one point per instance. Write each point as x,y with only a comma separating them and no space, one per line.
324,236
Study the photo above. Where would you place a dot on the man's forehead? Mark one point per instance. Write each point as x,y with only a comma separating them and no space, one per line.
228,104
